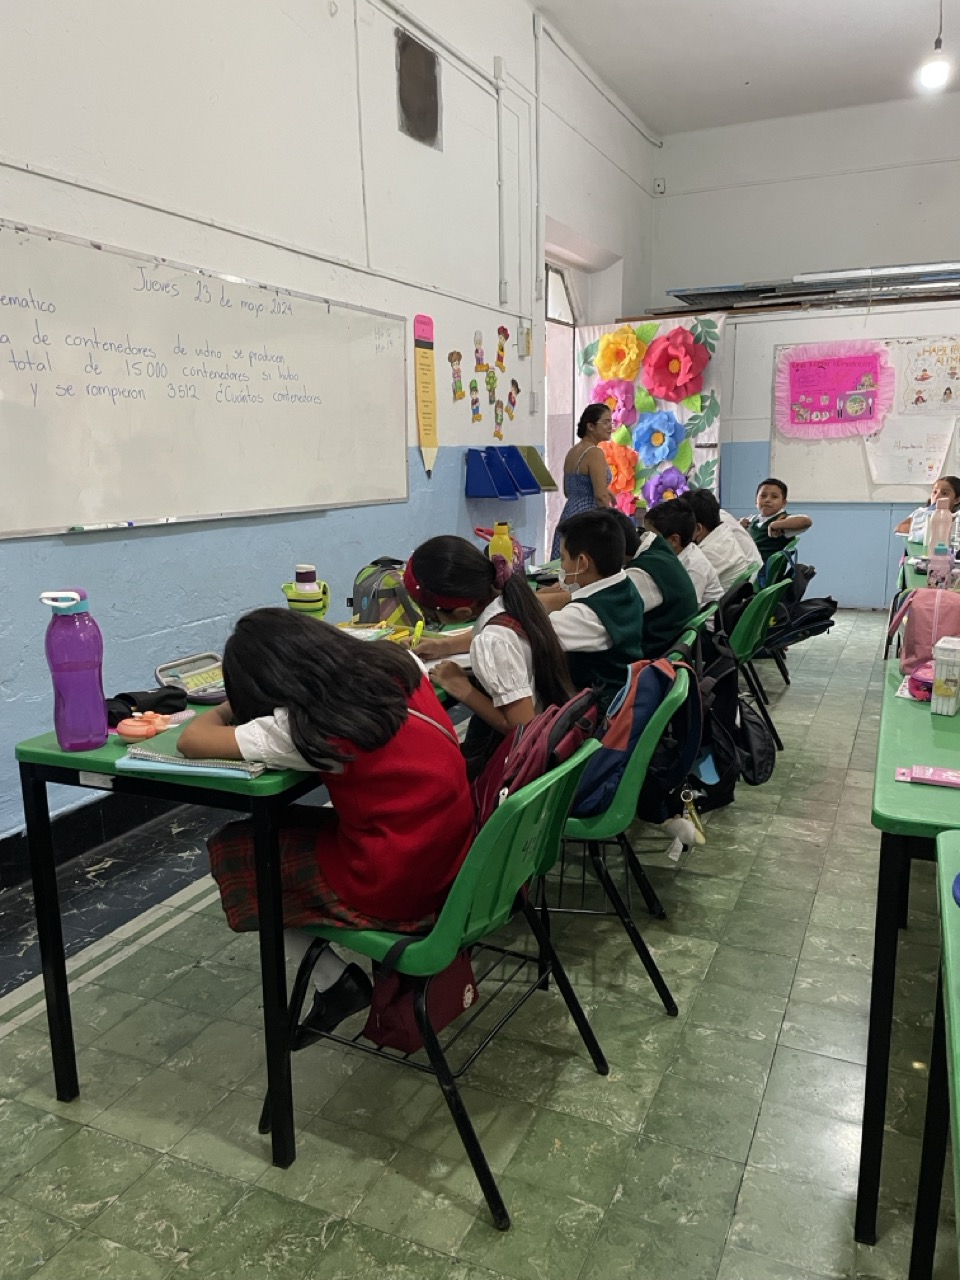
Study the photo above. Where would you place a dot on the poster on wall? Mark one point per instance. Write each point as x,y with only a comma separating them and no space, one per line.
929,371
828,390
661,380
909,450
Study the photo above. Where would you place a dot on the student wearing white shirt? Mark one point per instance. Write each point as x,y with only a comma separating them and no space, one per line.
515,656
675,522
728,547
596,610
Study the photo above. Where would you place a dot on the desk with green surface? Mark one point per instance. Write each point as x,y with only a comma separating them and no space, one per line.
910,817
911,577
263,798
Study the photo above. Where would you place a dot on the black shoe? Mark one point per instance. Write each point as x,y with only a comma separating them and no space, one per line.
351,993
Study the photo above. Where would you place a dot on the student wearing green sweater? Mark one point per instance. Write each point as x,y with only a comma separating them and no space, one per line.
595,609
773,525
669,597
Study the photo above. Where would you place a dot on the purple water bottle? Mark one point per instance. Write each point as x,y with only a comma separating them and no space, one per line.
74,648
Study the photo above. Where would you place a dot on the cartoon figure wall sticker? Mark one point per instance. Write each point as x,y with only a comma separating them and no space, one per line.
512,397
491,381
456,375
479,359
476,415
498,420
503,336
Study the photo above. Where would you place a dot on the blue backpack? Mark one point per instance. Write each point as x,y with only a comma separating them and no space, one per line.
648,683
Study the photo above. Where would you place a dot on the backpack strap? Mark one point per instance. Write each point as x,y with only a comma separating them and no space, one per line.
900,614
437,725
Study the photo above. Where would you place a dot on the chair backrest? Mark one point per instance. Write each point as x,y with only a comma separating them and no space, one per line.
519,841
686,647
752,625
623,808
775,569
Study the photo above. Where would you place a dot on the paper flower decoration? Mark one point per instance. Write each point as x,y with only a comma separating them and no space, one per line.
619,394
619,354
656,437
665,485
622,461
673,366
627,503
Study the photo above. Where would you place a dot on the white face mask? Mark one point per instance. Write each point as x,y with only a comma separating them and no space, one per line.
565,579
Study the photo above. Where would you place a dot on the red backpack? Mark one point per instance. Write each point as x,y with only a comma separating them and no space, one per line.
531,750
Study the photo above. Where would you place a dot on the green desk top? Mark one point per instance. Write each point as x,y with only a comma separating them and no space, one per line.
910,734
948,868
913,577
45,750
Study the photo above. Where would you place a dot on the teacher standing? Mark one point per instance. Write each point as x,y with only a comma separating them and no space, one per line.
586,476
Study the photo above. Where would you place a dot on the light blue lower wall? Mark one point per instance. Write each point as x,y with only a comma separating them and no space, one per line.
164,592
853,547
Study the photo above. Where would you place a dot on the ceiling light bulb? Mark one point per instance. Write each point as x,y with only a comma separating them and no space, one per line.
936,71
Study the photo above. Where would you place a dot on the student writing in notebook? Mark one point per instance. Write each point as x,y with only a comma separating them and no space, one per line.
305,695
517,663
668,595
675,521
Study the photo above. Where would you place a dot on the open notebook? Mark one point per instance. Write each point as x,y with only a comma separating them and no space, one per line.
147,760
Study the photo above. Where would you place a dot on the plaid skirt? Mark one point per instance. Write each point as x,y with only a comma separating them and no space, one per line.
308,898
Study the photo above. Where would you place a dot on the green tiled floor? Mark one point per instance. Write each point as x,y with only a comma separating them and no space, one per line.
722,1146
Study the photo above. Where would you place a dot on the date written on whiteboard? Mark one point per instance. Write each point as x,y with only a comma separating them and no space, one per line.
206,294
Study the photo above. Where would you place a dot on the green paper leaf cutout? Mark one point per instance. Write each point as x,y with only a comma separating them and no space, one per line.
706,332
683,459
644,401
622,435
586,357
692,403
647,332
705,475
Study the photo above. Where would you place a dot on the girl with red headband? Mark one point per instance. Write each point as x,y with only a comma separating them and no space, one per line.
517,662
302,694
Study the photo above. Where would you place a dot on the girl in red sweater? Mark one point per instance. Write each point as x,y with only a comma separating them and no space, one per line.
302,694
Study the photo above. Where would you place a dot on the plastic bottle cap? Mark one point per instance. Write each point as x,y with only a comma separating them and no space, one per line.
941,550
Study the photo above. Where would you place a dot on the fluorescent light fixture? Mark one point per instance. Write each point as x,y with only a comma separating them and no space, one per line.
867,273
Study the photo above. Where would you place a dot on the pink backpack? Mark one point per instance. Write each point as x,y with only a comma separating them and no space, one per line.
930,613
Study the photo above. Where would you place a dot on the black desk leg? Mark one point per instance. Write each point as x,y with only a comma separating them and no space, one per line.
273,975
50,933
893,853
933,1153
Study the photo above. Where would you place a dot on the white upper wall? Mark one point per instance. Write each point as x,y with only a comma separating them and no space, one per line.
863,186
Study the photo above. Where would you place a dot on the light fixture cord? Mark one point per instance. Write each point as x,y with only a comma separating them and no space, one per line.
939,40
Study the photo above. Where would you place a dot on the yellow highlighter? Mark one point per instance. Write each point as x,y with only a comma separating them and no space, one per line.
417,633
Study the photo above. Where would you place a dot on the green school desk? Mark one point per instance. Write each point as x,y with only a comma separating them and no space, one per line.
264,799
910,577
943,1101
909,817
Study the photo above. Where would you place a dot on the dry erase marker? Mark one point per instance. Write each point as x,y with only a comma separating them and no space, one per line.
97,528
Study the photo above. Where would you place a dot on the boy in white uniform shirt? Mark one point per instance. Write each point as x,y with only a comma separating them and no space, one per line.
727,546
675,522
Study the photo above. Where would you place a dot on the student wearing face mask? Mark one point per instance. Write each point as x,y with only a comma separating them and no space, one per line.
595,609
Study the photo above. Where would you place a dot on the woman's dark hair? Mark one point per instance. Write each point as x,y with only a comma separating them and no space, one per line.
954,483
631,534
675,516
596,534
705,507
778,484
330,684
451,566
590,417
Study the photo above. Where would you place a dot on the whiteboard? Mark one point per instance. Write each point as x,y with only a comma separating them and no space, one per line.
138,391
840,470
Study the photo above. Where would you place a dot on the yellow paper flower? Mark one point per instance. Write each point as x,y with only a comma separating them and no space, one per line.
619,354
622,462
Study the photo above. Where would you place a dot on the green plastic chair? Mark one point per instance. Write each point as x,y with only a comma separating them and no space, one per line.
747,637
610,827
774,571
687,644
519,842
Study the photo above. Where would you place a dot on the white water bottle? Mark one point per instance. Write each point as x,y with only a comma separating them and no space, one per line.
940,567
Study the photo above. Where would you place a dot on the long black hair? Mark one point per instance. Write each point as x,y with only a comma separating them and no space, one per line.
331,684
451,566
590,417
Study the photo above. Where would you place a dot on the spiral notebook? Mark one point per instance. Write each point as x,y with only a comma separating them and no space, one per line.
142,758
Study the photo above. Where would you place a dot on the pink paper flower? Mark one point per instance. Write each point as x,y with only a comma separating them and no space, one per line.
627,503
673,366
620,395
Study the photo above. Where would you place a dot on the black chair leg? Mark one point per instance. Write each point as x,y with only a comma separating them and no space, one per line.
543,959
760,691
654,905
751,678
780,660
633,933
574,1006
451,1095
297,998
